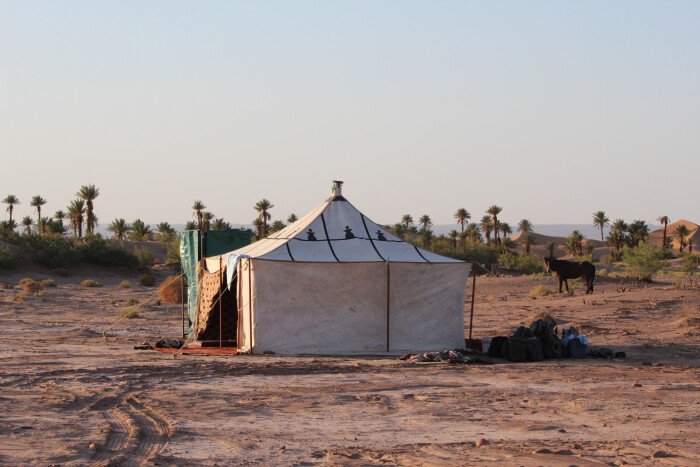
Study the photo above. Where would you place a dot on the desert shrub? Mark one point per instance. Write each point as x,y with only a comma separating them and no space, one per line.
99,251
144,257
29,285
50,250
170,291
130,312
172,255
539,291
480,253
90,283
520,262
48,283
690,264
602,272
149,280
41,295
7,259
124,285
643,261
57,251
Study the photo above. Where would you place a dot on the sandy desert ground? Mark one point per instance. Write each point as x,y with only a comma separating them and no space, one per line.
70,396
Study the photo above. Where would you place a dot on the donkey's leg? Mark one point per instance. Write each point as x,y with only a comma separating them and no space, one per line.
566,283
560,283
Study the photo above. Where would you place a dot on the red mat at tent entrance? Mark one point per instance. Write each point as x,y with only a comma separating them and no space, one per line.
200,351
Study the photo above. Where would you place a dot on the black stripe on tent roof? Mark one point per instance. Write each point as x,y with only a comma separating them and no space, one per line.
289,252
370,237
325,230
420,254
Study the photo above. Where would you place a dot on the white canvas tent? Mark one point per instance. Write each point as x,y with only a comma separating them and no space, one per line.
334,282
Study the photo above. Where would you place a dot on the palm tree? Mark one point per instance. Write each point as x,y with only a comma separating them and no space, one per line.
664,220
37,202
88,193
527,240
638,232
487,227
42,225
27,223
425,221
473,232
76,209
453,237
505,229
164,228
8,226
616,240
550,247
600,220
220,224
258,224
190,225
462,216
690,245
277,226
407,221
494,211
263,207
11,201
207,219
198,207
120,228
292,218
680,232
463,236
524,226
59,216
619,226
140,231
574,243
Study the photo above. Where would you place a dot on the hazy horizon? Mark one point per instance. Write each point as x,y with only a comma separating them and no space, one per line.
551,110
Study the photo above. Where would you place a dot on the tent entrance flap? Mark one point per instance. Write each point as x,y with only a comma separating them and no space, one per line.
217,315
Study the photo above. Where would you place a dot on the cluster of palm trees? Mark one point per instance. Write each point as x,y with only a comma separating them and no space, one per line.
78,213
205,220
489,230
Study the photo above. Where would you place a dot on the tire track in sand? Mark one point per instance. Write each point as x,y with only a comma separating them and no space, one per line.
136,434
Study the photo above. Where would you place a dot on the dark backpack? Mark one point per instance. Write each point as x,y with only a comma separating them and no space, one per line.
496,347
522,331
544,326
551,345
520,349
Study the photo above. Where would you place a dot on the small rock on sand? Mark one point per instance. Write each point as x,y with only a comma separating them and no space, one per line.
481,442
542,451
662,454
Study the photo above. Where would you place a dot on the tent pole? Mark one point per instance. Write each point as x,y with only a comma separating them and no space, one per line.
182,298
221,296
471,314
388,301
250,305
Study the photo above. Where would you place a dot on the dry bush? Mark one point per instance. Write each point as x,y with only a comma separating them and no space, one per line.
48,283
41,295
29,285
90,283
539,291
130,312
170,291
148,280
124,285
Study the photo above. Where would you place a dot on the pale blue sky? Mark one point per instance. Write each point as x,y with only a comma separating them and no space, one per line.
552,110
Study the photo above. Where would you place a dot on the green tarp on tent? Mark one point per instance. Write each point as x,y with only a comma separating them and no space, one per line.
213,242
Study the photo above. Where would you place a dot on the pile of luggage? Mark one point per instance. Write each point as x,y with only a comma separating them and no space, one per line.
540,341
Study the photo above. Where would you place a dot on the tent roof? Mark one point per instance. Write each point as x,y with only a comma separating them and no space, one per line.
337,232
